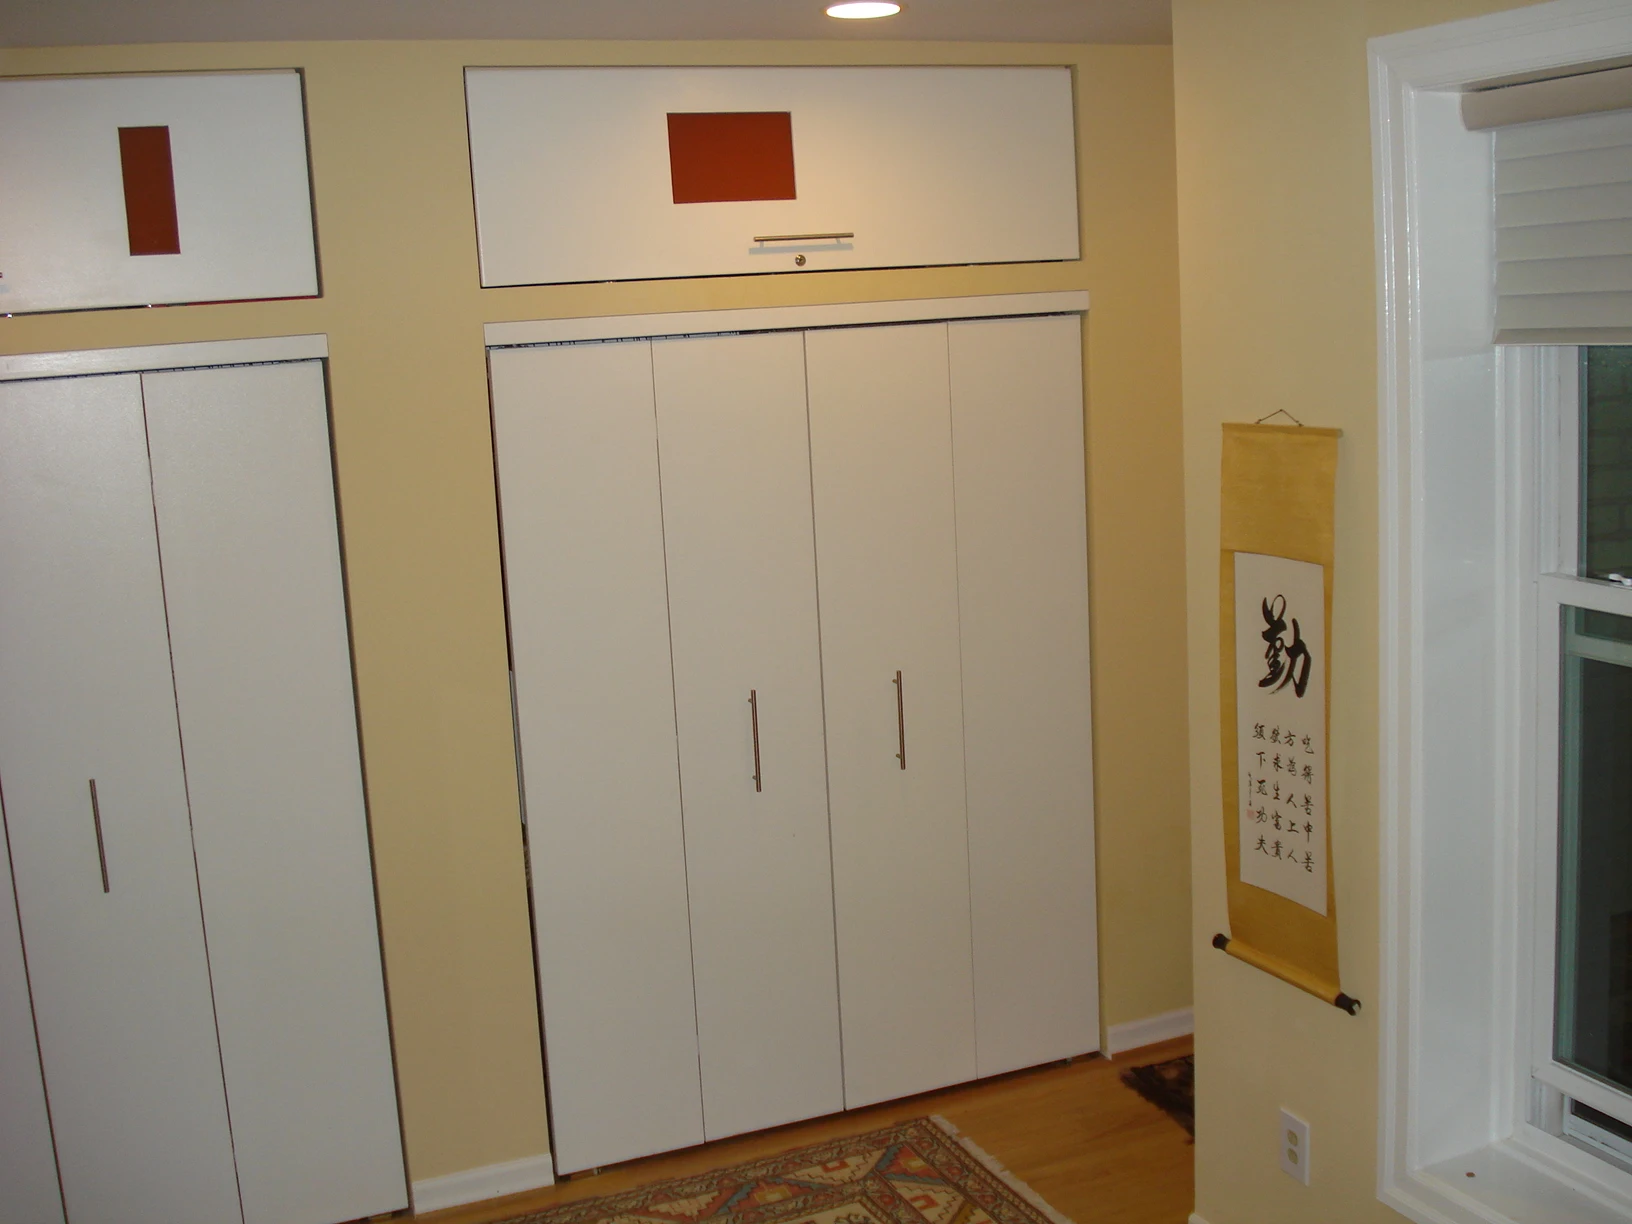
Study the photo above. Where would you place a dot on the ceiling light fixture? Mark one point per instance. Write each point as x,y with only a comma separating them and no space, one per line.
860,10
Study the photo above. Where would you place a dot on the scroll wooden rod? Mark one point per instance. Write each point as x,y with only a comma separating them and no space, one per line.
1292,976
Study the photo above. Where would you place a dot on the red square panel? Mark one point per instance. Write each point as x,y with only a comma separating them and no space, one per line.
732,155
150,191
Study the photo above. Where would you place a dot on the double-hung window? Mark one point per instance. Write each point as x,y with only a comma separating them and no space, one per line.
1581,1048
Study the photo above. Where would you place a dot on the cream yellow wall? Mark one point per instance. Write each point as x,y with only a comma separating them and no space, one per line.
404,314
1278,311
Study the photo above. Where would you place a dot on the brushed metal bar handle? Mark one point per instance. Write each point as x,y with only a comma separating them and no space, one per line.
900,721
753,707
836,236
101,850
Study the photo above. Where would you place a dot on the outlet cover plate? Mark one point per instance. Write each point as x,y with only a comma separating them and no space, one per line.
1294,1147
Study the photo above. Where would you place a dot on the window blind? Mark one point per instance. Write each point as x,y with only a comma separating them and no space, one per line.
1581,93
1564,231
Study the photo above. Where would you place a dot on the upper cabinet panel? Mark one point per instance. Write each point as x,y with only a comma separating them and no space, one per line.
597,174
141,190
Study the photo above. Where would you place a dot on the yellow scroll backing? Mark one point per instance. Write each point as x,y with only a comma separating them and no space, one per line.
1278,499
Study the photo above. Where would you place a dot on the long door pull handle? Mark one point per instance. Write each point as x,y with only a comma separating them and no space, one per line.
900,722
101,851
831,236
753,709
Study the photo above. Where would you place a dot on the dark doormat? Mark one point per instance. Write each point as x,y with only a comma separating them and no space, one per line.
1170,1086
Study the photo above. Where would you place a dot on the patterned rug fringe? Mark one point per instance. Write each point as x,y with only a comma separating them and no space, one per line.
998,1169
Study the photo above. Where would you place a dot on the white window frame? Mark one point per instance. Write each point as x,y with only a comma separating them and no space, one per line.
1467,436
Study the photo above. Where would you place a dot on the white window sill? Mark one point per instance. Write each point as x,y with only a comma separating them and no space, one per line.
1511,1184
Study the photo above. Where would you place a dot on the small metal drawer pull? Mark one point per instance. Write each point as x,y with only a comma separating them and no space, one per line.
833,237
101,851
900,721
753,707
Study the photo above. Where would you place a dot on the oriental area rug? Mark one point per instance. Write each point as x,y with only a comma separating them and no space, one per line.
917,1172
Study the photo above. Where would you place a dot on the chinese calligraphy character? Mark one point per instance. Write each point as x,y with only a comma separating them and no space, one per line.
1258,731
1286,662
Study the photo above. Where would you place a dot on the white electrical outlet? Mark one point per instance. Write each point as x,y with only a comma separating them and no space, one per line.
1294,1146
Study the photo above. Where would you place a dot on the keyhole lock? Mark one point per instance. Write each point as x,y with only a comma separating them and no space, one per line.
798,261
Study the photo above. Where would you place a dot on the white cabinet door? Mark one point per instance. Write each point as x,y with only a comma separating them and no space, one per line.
1028,748
576,441
230,167
106,886
28,1167
881,461
919,166
245,505
735,460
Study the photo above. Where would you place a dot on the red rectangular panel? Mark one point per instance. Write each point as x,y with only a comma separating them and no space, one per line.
733,155
150,191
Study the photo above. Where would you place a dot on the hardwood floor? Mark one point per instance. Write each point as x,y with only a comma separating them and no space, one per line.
1073,1132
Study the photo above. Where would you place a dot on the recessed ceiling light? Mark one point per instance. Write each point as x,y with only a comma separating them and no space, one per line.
858,10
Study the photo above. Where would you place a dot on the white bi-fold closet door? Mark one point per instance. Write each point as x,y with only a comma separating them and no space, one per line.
799,629
96,813
184,811
594,693
947,470
661,584
1018,456
881,464
735,467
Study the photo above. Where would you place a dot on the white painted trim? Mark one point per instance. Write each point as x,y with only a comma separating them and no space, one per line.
1437,372
1136,1034
1524,40
163,357
1196,1219
781,318
487,1182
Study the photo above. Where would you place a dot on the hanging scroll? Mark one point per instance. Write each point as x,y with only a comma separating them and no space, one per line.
1275,614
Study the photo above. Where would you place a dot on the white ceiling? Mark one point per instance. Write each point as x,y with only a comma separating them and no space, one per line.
47,23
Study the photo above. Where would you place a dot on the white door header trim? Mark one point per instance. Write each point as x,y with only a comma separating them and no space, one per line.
162,357
780,318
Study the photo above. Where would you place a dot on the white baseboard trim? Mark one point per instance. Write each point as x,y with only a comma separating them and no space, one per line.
489,1181
1196,1219
1137,1033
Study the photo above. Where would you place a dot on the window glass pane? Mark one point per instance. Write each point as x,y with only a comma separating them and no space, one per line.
1606,461
1603,1121
1599,1133
1593,1032
1603,626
